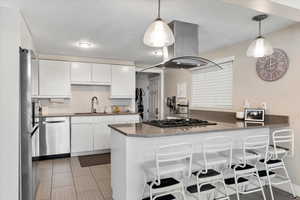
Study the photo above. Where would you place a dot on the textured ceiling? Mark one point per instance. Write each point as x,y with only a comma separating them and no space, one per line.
117,26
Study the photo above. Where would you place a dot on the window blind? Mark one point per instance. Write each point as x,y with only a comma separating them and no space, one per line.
213,89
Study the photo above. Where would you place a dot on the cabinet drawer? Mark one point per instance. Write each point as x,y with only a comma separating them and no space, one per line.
126,119
83,120
104,119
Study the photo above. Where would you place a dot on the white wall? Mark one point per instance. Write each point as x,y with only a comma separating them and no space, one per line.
9,102
14,33
282,96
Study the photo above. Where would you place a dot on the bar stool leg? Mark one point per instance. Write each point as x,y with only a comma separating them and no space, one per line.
225,189
198,189
260,184
151,195
290,181
236,187
144,188
183,192
270,183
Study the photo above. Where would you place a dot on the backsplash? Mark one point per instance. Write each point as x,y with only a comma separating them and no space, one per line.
81,100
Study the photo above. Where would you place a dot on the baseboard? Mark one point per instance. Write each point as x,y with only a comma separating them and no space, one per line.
90,152
57,156
286,188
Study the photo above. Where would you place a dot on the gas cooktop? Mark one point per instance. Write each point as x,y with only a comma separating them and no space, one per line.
169,123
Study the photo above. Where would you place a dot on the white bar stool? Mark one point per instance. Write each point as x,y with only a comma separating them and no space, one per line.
167,174
277,153
245,161
216,156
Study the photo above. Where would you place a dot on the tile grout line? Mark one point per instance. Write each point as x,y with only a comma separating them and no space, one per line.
73,179
52,176
98,187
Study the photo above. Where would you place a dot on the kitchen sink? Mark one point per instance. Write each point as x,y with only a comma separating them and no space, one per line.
91,113
100,113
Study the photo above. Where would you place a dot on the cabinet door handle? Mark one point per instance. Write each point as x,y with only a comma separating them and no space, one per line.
53,122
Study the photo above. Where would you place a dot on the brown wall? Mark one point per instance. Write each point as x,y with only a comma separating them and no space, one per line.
282,96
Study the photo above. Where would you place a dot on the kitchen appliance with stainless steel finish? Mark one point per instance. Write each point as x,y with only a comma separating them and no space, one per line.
171,123
54,138
28,169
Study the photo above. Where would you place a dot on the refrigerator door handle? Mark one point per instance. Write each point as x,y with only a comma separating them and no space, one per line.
34,130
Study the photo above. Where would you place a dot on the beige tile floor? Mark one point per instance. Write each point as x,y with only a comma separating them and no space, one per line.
65,179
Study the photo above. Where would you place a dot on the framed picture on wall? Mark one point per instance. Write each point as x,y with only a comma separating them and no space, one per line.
254,114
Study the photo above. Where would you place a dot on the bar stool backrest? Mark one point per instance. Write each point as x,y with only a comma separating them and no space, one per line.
169,156
257,145
281,139
219,146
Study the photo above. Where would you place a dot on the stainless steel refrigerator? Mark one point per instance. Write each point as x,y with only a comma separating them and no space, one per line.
29,127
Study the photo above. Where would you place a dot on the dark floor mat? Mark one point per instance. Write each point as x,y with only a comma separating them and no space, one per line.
92,160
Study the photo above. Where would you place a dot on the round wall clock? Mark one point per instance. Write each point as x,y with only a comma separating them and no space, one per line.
273,67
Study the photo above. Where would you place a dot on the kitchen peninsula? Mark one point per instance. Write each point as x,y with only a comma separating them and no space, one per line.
134,144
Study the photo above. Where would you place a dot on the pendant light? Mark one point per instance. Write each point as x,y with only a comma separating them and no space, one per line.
260,47
159,34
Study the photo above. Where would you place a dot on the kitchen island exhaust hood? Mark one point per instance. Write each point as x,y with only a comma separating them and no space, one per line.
184,53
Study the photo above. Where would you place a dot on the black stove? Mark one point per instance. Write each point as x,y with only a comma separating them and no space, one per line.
169,123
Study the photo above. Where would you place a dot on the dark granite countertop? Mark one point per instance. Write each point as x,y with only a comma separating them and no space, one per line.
85,114
144,130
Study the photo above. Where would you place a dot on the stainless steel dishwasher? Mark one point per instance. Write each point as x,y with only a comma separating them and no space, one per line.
54,138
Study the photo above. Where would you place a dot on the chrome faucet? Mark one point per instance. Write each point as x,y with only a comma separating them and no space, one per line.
93,101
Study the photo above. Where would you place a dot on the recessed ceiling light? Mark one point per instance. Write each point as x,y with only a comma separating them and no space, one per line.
84,44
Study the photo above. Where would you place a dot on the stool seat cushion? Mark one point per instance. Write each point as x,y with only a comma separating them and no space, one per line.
210,173
231,181
272,161
239,168
193,188
165,197
165,182
263,173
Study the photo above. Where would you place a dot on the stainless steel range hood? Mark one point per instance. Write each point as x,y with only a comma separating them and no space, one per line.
184,53
186,39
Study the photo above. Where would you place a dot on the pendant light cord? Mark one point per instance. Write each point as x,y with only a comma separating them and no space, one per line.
259,28
158,11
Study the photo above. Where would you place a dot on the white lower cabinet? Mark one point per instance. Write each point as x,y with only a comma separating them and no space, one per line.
101,136
93,134
82,138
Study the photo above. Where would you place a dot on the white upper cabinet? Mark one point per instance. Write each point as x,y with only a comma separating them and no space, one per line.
54,79
123,82
101,74
90,74
81,73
